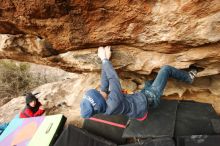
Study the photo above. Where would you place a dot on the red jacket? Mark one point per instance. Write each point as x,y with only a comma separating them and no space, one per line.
27,112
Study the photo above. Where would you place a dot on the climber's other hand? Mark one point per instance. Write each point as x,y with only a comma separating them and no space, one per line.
108,52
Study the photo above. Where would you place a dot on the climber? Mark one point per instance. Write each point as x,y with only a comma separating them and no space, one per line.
33,107
110,100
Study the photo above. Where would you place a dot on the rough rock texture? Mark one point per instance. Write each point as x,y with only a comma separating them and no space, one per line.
145,35
75,24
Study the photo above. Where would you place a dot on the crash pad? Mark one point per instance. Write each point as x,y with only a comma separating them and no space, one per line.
41,130
160,122
194,118
216,125
109,132
73,136
154,142
198,140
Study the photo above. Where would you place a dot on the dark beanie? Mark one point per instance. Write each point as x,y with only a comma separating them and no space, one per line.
30,97
92,103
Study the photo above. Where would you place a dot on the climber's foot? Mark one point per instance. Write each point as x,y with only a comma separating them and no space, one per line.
193,70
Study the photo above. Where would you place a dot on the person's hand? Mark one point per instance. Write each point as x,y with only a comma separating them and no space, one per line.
41,107
101,53
108,52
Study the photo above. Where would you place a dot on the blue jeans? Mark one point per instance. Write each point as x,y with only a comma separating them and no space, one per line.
131,105
155,88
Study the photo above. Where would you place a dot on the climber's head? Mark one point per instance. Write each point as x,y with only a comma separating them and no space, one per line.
92,103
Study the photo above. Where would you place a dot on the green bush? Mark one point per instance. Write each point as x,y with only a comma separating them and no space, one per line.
16,79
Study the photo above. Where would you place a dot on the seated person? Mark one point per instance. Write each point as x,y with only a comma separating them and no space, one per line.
33,107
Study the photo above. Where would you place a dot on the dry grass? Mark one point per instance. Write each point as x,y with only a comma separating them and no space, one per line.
16,80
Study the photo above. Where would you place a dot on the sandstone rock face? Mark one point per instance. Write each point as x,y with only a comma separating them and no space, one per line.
144,36
78,24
